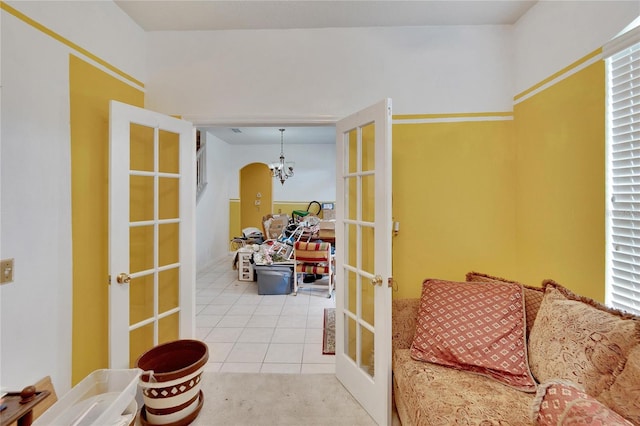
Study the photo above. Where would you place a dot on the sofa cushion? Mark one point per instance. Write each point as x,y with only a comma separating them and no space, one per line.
532,295
564,403
578,339
478,327
431,394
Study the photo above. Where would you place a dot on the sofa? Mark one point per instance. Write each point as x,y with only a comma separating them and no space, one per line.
492,351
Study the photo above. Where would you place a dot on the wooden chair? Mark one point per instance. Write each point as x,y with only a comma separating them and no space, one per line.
312,258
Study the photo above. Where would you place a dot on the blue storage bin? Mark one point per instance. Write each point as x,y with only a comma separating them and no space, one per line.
274,279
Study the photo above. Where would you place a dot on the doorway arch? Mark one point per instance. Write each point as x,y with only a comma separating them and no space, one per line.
256,189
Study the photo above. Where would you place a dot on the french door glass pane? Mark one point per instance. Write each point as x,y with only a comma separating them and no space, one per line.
351,292
168,328
368,249
140,248
141,203
350,338
168,198
368,148
168,244
367,302
368,198
366,352
141,299
140,341
168,289
169,152
141,151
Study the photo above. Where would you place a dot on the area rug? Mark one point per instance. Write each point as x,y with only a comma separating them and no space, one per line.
329,332
245,399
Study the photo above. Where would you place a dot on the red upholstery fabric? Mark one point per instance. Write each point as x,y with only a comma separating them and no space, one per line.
312,269
560,403
477,327
312,252
312,258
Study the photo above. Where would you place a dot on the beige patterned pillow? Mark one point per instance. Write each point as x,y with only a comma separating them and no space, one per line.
476,327
624,394
532,295
578,339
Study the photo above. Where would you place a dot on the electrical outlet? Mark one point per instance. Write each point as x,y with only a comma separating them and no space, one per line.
6,271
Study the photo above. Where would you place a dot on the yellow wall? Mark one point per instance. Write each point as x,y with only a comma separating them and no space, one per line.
522,199
255,187
560,134
453,194
90,92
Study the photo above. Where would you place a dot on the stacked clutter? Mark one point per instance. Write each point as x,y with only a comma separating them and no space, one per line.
272,259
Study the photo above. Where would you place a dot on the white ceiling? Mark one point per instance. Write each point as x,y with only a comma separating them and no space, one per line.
189,15
271,135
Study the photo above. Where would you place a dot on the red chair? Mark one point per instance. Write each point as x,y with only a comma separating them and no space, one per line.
314,259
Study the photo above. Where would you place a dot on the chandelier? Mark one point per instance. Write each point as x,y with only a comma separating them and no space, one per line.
282,170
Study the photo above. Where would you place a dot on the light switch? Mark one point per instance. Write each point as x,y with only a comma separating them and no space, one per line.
6,271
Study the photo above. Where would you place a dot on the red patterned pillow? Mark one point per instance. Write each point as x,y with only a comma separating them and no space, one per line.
563,403
477,327
532,295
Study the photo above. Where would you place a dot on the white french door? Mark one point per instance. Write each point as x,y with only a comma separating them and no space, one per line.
363,258
151,231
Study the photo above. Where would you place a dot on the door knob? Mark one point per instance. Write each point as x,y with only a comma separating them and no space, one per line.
377,280
123,278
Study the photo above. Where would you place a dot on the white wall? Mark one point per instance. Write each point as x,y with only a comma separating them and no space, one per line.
329,73
35,224
100,28
212,211
35,314
554,34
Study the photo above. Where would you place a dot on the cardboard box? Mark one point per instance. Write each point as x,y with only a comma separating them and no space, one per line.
326,233
327,224
274,225
328,214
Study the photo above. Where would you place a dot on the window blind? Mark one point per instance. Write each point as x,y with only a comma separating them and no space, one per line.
623,177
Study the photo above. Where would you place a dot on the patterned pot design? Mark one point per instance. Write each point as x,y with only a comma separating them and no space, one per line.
171,380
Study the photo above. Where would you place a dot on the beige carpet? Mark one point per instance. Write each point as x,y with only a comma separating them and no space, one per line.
278,399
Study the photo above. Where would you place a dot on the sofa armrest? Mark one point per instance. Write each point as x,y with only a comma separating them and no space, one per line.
403,327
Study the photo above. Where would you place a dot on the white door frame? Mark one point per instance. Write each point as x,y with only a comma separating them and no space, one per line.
373,392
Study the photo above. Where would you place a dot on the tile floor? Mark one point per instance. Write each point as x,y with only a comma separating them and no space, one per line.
250,333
